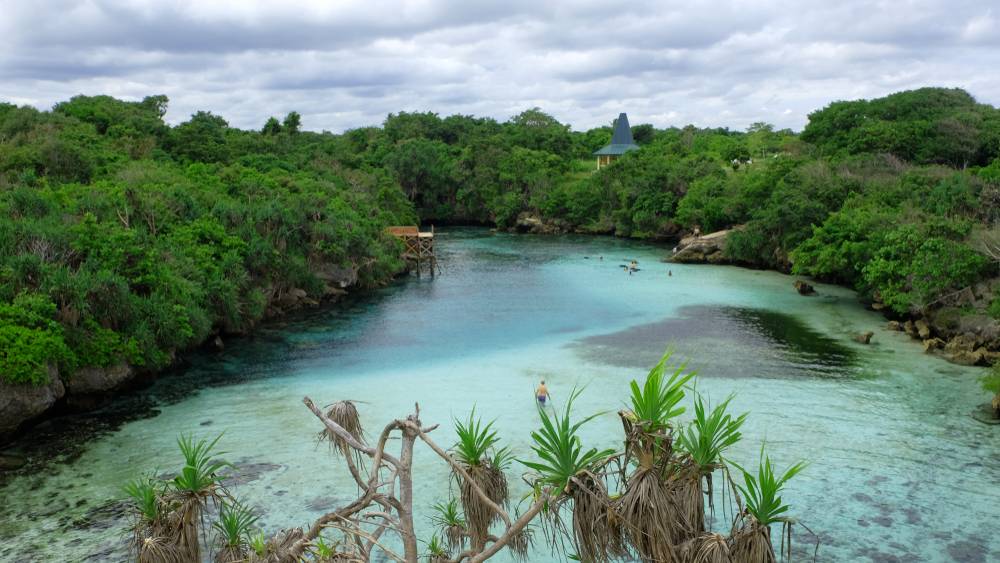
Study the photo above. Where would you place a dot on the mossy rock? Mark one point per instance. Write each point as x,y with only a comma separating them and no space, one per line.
948,318
984,413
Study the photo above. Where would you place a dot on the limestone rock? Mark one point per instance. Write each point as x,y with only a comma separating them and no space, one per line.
961,343
98,380
909,329
933,344
708,249
804,288
865,338
923,331
990,357
966,358
894,325
528,222
291,299
22,402
336,277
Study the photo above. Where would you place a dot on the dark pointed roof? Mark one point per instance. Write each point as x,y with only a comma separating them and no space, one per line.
621,139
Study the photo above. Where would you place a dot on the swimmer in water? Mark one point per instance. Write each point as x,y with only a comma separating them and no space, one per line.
542,393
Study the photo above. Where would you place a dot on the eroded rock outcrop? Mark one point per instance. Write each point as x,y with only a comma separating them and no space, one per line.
804,288
98,380
707,249
865,338
336,279
528,222
959,330
22,402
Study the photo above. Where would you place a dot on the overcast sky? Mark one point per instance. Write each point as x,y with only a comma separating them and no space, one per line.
346,63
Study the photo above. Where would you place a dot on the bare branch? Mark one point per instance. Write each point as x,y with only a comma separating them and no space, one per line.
355,531
375,453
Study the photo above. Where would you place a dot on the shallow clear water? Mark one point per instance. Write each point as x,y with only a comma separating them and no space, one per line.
898,470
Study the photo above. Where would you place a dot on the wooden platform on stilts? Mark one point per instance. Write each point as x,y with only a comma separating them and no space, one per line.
418,246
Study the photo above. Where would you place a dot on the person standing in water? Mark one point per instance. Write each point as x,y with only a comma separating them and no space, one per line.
542,393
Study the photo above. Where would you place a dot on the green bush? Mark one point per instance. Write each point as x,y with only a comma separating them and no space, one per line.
31,341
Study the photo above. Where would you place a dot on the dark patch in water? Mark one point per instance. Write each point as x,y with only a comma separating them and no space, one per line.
757,342
968,551
883,521
876,556
323,504
912,515
247,472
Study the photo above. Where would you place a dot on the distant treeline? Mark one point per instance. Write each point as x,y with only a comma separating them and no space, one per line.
122,238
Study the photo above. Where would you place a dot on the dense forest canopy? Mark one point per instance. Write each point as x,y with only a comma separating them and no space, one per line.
125,239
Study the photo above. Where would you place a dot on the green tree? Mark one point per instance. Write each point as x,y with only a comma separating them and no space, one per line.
271,127
292,122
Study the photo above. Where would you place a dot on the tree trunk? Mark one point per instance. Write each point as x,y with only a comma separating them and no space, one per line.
406,496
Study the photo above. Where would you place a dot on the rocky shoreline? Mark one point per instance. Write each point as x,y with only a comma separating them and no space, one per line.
958,328
88,388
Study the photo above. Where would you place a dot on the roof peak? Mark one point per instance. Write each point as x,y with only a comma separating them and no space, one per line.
622,134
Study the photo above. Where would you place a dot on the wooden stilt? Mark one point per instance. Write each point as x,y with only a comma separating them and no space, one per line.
418,247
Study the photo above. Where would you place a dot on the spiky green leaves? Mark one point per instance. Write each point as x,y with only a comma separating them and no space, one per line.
449,519
437,549
258,543
656,402
483,465
710,434
475,440
235,524
762,491
558,445
447,514
145,491
201,468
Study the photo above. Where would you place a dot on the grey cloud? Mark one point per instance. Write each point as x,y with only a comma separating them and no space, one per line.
347,63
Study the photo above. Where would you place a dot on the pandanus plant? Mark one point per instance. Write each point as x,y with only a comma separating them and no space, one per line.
648,425
574,473
197,486
153,539
478,455
649,505
751,536
169,514
437,551
704,440
234,527
448,518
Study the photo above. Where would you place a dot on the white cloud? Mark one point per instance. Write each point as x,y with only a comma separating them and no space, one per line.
348,63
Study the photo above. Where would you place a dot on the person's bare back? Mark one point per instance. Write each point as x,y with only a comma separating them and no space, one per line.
542,393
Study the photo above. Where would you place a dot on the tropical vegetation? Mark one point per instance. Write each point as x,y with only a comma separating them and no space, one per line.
125,239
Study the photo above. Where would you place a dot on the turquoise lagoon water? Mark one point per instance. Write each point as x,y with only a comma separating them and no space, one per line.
898,470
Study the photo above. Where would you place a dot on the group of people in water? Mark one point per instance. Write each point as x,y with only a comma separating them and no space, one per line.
633,266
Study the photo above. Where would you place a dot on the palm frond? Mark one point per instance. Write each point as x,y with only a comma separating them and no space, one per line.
761,492
708,435
558,445
474,439
656,402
